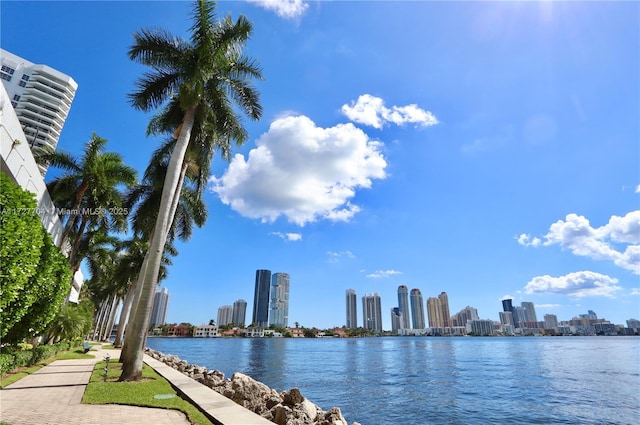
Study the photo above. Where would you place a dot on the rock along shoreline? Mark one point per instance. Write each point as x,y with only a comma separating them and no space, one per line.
282,408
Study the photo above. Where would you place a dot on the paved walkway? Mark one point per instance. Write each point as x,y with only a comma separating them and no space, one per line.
52,396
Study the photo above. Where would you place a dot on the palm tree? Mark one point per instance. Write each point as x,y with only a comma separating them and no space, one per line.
89,191
201,78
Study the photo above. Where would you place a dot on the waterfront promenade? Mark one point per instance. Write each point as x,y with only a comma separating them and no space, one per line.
53,396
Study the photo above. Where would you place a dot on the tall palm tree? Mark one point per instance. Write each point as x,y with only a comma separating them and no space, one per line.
143,200
202,78
89,191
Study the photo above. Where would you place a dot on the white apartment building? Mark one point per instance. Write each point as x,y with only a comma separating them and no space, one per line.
225,315
41,97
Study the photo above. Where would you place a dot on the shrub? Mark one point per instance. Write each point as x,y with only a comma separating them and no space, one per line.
20,248
43,352
22,358
6,363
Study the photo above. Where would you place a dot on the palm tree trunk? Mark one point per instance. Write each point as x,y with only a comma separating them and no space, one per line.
72,217
132,365
124,353
124,314
112,317
99,318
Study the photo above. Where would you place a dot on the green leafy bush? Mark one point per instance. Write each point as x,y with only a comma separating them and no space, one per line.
43,352
20,250
6,362
28,309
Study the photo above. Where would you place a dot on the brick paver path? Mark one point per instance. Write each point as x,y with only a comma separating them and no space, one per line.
52,396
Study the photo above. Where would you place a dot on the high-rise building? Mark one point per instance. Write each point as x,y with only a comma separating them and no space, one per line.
507,304
518,317
446,314
403,305
417,309
506,318
279,315
550,321
529,312
225,315
633,323
465,315
434,312
352,310
396,319
41,97
372,312
261,298
159,309
239,313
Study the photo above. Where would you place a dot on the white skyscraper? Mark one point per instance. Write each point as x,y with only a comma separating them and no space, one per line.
239,312
279,311
159,310
372,312
417,309
41,97
225,315
403,305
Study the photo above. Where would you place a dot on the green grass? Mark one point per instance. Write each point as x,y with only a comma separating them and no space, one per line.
10,378
137,393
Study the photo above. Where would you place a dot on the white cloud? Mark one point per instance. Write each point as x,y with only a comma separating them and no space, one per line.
507,297
525,240
637,189
370,110
634,291
334,257
288,9
578,284
543,306
291,237
302,171
576,234
383,273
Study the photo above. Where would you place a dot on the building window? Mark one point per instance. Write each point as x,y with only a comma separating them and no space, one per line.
5,76
25,77
8,70
14,104
16,97
22,84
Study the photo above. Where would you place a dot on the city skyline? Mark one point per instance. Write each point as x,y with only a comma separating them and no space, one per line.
485,149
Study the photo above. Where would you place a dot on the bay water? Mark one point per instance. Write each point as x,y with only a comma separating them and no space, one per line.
447,380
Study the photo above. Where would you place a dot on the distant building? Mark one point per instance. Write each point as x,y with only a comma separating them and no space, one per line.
530,320
396,320
206,331
261,298
160,306
352,310
239,313
550,321
225,315
444,305
518,317
417,309
480,327
434,312
507,305
463,316
279,314
506,318
633,323
403,306
372,312
41,97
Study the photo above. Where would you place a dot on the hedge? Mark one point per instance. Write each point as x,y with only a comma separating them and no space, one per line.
12,357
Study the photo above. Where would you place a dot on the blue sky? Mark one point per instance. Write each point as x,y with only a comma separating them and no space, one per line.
485,149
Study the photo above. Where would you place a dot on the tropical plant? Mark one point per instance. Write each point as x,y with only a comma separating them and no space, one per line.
88,192
202,79
34,277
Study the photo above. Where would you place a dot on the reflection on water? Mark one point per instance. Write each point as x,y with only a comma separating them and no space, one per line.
420,380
